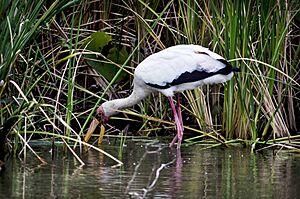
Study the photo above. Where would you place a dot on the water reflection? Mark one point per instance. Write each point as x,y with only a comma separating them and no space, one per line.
150,149
153,170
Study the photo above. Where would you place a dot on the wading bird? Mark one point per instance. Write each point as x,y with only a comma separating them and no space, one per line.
172,70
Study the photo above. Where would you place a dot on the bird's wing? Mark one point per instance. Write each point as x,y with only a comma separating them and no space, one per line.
165,66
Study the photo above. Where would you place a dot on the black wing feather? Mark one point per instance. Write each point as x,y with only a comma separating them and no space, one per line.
196,75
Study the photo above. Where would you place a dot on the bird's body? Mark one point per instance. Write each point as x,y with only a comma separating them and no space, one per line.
175,69
179,68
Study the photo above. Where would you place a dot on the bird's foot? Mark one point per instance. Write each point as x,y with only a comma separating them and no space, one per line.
178,139
173,141
178,142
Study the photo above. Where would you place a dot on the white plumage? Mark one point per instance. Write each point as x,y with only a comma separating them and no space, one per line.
175,69
170,63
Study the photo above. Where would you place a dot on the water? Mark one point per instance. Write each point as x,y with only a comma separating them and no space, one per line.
154,171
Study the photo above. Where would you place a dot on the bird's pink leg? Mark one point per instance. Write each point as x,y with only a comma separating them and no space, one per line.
178,125
179,111
180,119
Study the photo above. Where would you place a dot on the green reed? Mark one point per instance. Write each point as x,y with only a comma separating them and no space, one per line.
49,83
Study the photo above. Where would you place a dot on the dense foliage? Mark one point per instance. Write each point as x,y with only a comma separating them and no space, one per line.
56,67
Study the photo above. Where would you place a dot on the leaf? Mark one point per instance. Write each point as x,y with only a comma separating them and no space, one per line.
116,56
97,43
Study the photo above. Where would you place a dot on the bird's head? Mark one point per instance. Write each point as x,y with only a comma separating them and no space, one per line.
107,109
101,115
101,118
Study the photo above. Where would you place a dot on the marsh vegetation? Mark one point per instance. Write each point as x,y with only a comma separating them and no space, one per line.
60,59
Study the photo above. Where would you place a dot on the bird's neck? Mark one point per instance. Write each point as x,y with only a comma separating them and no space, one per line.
111,107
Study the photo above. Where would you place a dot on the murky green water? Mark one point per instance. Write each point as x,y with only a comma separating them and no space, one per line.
155,171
